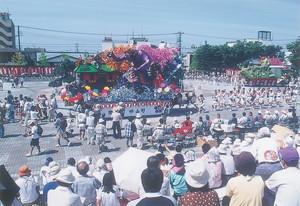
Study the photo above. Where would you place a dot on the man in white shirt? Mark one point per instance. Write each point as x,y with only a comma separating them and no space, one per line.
139,131
90,124
286,182
116,119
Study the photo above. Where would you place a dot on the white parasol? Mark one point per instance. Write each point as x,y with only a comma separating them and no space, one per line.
128,169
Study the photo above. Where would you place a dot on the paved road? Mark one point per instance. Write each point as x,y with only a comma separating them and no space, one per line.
14,146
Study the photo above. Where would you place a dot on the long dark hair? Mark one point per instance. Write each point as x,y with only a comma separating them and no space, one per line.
108,183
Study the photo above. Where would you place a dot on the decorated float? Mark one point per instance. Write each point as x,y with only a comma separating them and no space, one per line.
265,72
144,79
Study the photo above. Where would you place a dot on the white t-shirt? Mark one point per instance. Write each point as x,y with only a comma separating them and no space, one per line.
28,192
228,164
116,116
265,150
286,185
108,199
34,131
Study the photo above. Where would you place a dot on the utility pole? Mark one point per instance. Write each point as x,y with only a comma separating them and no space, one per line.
77,46
179,40
19,41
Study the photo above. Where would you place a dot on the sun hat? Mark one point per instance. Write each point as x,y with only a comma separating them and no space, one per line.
24,170
138,115
189,156
223,149
101,120
91,113
177,126
54,169
289,154
65,176
249,137
116,109
196,174
289,142
263,132
213,155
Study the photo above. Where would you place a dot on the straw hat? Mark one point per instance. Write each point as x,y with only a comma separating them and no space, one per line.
223,149
54,169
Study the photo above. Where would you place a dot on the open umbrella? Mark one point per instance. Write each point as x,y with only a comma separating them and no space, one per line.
128,169
281,131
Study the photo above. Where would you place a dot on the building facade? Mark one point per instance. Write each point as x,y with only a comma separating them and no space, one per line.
7,31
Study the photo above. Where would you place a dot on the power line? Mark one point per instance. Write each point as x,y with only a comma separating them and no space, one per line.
95,34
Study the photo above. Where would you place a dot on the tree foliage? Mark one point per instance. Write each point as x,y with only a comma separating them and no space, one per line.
208,56
18,59
294,58
64,72
42,61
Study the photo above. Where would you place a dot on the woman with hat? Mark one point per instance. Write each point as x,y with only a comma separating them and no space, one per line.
28,187
158,134
54,169
177,176
214,166
63,194
196,178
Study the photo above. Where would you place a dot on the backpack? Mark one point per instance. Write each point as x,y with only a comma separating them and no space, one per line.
63,123
39,130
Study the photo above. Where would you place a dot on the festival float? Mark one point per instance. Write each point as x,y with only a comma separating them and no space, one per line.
144,79
265,72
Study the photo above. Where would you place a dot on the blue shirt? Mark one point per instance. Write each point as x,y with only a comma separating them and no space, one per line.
47,187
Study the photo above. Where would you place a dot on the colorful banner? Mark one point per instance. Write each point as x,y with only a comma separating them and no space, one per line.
262,82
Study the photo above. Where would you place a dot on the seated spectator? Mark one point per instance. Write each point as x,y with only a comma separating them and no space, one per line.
285,183
214,166
233,119
109,193
63,194
187,122
152,179
177,176
246,188
242,122
199,194
71,165
54,169
205,148
44,172
85,186
228,163
158,134
28,187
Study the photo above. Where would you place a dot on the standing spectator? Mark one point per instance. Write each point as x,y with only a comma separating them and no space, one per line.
152,179
90,130
129,131
199,194
81,117
9,96
101,132
63,194
52,108
285,183
165,113
177,176
28,186
246,188
109,193
1,84
85,186
116,127
139,133
35,138
61,125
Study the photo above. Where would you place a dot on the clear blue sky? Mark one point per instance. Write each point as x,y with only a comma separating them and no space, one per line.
216,21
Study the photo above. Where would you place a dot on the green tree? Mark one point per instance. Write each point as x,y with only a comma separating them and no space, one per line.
294,57
43,60
17,59
64,72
